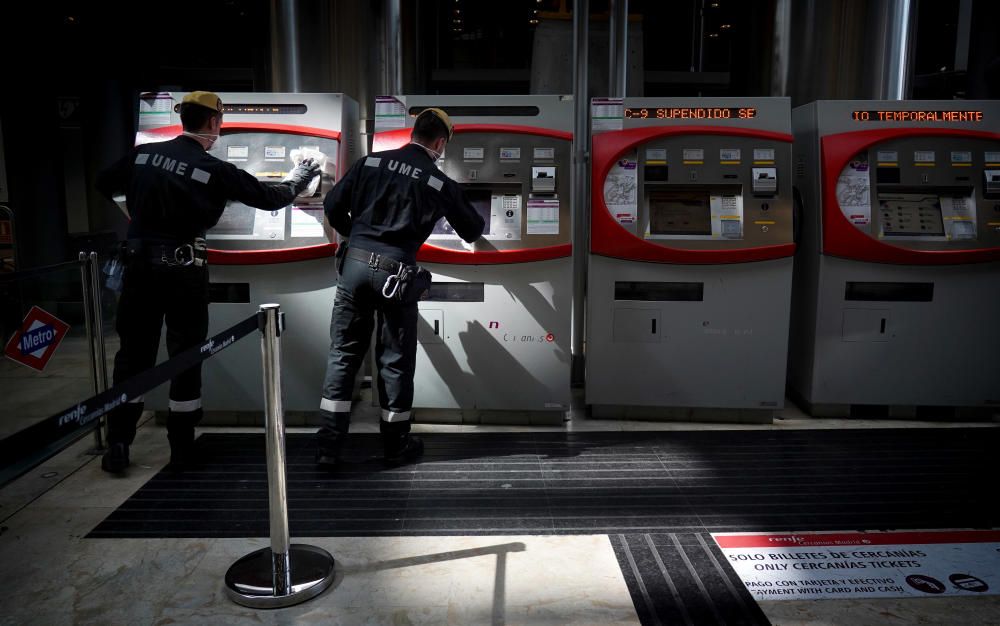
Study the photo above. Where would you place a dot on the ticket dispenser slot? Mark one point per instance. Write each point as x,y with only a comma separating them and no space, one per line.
765,181
656,173
543,179
992,183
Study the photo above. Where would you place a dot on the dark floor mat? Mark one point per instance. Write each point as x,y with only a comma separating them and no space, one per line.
657,495
585,483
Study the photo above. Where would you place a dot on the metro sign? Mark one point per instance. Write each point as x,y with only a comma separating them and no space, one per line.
35,343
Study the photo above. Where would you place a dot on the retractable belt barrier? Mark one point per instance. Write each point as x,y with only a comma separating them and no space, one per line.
84,415
281,575
35,271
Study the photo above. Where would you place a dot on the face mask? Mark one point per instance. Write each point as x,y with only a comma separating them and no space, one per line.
437,156
211,138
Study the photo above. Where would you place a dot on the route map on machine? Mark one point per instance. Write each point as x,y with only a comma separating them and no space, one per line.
620,187
854,192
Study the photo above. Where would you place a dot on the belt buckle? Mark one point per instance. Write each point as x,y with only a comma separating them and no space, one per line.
373,261
179,253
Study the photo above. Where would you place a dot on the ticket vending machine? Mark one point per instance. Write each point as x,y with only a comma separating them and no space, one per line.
494,334
283,256
897,281
691,260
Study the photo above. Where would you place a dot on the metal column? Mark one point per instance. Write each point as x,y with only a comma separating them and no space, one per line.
392,67
899,55
781,47
581,181
285,46
618,49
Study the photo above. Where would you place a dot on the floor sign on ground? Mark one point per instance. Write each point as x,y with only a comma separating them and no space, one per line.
793,566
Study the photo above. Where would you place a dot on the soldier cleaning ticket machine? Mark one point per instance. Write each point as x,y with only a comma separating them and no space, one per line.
283,256
897,281
494,334
691,259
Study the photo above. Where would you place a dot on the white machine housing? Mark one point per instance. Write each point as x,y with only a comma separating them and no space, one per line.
494,333
690,269
897,278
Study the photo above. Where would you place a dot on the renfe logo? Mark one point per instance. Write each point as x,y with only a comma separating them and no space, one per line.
37,340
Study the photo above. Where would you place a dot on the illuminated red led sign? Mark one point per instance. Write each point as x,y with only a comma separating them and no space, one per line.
917,116
264,109
691,113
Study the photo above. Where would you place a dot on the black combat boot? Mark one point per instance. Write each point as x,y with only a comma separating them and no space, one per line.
399,446
122,422
330,440
115,460
180,434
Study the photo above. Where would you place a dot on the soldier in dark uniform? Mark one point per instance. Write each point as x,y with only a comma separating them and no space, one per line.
387,204
175,191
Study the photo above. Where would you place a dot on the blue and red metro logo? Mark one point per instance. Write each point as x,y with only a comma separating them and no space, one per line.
37,340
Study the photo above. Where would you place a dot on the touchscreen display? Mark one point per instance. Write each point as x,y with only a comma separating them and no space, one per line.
680,212
910,214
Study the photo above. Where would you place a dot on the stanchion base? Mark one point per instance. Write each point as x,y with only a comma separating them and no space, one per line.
250,582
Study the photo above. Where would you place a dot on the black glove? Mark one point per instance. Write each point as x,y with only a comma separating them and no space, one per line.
302,175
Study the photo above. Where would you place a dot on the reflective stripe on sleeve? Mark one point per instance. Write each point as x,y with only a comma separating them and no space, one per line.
436,183
373,161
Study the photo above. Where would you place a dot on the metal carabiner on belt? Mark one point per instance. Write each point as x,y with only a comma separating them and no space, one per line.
178,255
392,283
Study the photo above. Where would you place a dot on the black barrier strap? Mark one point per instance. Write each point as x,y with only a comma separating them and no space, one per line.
83,415
35,271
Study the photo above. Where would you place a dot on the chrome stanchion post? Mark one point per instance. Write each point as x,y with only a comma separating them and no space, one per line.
88,316
286,573
101,357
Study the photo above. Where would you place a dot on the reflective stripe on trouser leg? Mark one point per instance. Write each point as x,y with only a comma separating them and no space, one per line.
395,416
184,415
335,406
185,406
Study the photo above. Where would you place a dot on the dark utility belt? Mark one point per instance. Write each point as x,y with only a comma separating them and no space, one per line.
171,254
405,284
374,260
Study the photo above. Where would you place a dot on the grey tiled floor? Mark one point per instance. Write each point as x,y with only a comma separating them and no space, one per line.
70,579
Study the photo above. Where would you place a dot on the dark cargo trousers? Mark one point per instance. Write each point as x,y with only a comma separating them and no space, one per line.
358,306
152,295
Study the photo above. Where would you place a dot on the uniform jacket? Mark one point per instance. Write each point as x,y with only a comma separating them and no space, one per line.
389,202
175,190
